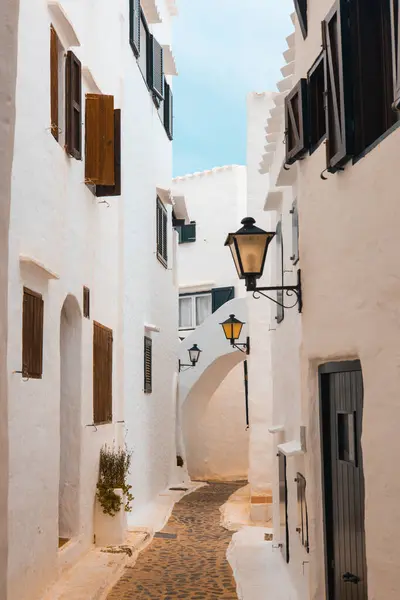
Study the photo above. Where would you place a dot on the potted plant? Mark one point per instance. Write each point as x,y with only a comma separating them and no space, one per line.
113,496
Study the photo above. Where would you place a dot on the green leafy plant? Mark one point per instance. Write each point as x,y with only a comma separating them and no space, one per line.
113,473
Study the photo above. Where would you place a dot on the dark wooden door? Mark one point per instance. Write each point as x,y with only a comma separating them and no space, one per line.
283,506
341,420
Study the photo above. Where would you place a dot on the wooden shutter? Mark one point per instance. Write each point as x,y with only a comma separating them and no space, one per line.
114,190
283,507
168,111
148,367
73,106
102,373
86,302
301,10
338,86
32,334
302,512
280,311
157,82
295,233
99,166
54,83
316,102
134,26
162,232
395,14
221,296
296,122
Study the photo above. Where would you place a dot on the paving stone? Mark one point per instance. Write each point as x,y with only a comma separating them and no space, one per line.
192,566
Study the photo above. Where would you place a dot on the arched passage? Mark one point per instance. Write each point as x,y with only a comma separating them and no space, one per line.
70,419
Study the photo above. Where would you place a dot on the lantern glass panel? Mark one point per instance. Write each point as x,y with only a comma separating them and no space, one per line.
252,251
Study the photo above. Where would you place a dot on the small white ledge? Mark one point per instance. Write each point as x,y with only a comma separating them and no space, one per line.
165,195
38,266
289,55
151,11
90,81
273,200
180,208
292,448
63,26
287,175
169,61
152,328
202,286
276,428
284,85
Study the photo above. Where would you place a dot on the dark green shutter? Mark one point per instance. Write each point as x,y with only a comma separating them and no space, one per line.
187,233
295,233
168,111
148,365
280,312
162,232
283,507
156,59
221,296
301,10
296,122
134,26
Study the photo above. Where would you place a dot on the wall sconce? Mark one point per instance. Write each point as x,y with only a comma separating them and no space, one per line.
249,246
194,355
232,329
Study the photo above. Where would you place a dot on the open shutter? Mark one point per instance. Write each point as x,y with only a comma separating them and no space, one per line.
395,13
157,53
165,235
114,190
54,83
168,111
280,311
148,367
134,26
296,122
162,232
99,166
32,334
338,86
283,507
102,373
73,106
187,233
295,233
221,296
302,518
301,10
86,302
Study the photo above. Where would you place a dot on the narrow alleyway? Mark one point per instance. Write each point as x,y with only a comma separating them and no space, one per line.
190,561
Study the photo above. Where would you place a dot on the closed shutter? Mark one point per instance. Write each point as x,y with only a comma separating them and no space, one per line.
396,51
302,512
148,366
280,311
99,166
296,122
283,507
157,54
102,373
162,232
32,334
187,233
301,10
168,111
295,233
73,106
54,82
114,190
86,302
338,86
221,296
134,26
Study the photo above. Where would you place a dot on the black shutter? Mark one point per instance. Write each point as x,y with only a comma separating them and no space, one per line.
295,233
162,232
301,10
114,190
221,296
283,507
134,26
187,233
168,111
296,122
395,12
32,334
73,106
86,302
148,367
338,86
157,68
302,512
280,311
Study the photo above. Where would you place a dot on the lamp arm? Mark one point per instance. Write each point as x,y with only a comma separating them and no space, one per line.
290,290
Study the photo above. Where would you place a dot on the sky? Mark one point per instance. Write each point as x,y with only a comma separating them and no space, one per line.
224,49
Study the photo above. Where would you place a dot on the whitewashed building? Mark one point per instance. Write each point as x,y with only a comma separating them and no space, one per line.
93,306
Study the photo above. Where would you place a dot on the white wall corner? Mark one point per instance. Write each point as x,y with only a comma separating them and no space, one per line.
90,81
65,29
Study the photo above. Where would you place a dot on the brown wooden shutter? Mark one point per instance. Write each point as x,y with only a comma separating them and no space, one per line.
134,26
148,367
338,86
301,10
158,68
296,119
102,373
32,334
73,106
168,111
54,83
114,190
86,302
395,13
99,166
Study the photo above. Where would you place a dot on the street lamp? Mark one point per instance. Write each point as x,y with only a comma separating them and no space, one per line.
249,247
233,328
194,355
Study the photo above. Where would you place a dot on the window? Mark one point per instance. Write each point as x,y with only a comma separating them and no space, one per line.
187,233
134,26
316,103
156,60
86,302
162,228
280,312
302,512
148,366
32,334
143,58
194,309
99,165
56,87
295,233
73,106
114,190
221,296
301,10
168,111
296,122
102,374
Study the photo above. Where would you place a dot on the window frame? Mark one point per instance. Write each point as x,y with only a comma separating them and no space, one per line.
162,232
314,144
193,297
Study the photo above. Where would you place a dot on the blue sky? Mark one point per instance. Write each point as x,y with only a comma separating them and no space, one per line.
224,49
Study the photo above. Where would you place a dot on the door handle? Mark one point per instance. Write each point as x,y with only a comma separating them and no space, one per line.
350,578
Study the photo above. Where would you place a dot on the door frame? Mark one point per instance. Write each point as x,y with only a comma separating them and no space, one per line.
326,472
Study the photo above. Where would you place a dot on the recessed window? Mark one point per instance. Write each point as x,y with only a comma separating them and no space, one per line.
194,309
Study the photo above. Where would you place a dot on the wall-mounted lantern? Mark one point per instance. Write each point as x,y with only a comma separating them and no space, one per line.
232,329
249,246
194,355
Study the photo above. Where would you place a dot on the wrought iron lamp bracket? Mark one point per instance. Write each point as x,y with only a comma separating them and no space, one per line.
246,346
289,290
181,366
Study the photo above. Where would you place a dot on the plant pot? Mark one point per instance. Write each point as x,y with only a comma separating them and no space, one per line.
110,531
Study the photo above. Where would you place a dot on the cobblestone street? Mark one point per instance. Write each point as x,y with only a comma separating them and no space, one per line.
191,565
